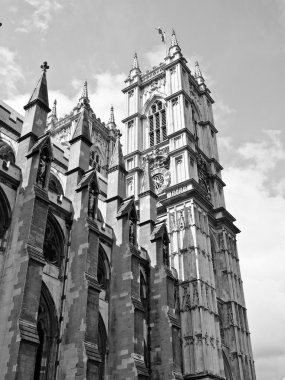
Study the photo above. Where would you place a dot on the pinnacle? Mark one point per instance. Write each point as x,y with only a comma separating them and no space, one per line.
174,41
53,111
40,93
84,96
82,127
135,62
117,158
197,70
112,117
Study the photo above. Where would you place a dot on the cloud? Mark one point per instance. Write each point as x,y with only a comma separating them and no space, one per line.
41,16
261,243
104,90
155,56
10,71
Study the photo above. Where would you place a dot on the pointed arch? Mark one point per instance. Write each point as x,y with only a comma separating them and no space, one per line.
48,331
103,272
7,152
155,123
55,184
102,346
5,218
53,248
151,100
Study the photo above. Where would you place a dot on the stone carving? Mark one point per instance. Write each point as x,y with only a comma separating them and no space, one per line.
203,175
42,170
186,302
92,200
132,234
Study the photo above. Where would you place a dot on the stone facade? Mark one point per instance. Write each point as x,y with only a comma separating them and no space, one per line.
119,266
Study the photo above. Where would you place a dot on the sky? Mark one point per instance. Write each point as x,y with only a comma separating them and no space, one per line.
240,46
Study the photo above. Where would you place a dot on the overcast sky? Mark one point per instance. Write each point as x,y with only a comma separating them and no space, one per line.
241,49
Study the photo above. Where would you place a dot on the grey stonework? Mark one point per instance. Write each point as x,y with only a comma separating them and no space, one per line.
119,266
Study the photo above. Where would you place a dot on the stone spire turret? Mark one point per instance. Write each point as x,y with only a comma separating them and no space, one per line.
174,47
52,118
40,93
111,123
117,159
135,70
84,95
199,77
81,130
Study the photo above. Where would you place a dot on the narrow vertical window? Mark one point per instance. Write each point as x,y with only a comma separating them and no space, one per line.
157,124
130,136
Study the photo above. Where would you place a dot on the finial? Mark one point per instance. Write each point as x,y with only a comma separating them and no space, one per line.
53,111
84,100
197,70
135,62
199,77
174,41
85,90
45,66
112,117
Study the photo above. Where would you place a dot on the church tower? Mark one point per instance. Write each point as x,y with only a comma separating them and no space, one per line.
170,132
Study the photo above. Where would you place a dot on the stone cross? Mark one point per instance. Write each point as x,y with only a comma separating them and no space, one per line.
45,66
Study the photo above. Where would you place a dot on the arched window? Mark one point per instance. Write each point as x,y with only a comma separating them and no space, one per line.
6,152
102,347
157,123
95,159
103,272
54,185
144,300
48,330
53,248
5,218
195,123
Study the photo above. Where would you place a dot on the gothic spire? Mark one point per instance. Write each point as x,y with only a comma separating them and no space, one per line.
174,41
147,181
199,77
84,96
81,130
135,70
197,70
136,62
53,111
111,123
40,93
174,47
52,117
117,159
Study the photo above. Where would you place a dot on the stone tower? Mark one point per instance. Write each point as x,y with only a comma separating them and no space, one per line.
113,266
169,129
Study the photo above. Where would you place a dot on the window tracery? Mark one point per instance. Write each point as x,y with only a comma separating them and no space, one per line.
6,152
157,123
54,185
53,244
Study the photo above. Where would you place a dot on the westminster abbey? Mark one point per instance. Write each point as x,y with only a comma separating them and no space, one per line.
118,259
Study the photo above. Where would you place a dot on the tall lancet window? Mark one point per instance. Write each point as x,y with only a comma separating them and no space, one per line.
157,123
